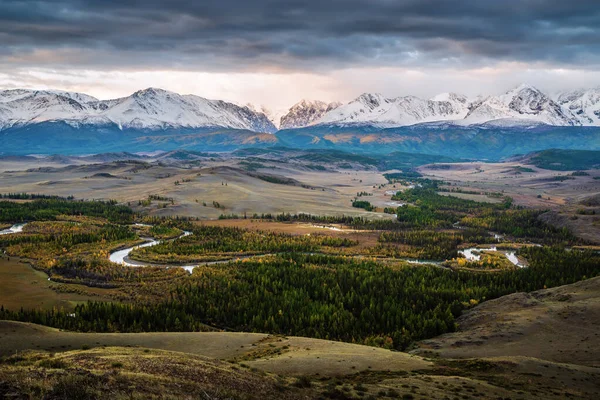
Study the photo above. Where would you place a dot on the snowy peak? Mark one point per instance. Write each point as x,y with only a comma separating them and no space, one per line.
305,113
524,102
583,104
522,105
371,100
155,109
22,106
16,94
150,108
451,98
377,110
274,115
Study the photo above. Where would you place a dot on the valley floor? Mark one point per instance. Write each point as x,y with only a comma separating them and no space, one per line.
565,193
538,345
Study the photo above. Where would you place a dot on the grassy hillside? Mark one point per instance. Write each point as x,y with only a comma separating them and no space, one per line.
39,362
538,324
125,373
566,160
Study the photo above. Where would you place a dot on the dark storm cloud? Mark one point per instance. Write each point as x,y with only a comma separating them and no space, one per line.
293,33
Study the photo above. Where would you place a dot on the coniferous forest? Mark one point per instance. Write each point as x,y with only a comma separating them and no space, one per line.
318,286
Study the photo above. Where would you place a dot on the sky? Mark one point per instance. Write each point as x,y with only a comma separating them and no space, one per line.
276,52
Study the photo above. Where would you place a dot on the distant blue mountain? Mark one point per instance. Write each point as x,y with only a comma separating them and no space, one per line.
486,141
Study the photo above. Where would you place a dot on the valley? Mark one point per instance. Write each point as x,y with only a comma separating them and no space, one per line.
299,200
385,274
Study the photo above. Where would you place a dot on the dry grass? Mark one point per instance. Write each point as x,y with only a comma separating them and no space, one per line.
120,373
290,355
560,325
236,190
23,286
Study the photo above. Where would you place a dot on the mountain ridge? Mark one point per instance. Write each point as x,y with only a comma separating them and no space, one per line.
150,108
158,109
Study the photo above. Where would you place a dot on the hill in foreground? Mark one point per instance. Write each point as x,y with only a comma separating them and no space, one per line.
520,346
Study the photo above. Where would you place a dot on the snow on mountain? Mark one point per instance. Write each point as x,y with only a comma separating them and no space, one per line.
521,103
274,115
21,106
160,109
146,109
583,104
375,109
451,97
80,97
305,113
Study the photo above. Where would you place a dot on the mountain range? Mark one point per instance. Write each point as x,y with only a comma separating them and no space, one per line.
145,109
519,121
159,109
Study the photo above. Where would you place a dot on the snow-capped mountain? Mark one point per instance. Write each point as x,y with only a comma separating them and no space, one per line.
375,109
305,113
583,104
522,103
146,109
157,109
274,115
26,106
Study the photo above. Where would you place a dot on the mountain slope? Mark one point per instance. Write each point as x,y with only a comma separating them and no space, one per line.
583,104
146,109
305,113
484,141
59,137
375,109
522,103
536,324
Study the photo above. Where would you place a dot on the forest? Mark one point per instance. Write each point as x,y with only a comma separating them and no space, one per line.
210,243
355,289
50,208
323,297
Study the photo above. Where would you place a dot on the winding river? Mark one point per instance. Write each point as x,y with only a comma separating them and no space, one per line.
474,254
13,229
122,256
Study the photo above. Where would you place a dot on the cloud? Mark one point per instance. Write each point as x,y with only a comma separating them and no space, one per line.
237,35
276,52
280,90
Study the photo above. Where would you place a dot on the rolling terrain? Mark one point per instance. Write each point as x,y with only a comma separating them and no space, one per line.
382,243
512,347
539,324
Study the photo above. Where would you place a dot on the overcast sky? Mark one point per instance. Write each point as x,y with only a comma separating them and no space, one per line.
275,52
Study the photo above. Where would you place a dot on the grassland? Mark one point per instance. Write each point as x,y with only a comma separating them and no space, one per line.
567,197
23,286
347,281
538,324
195,192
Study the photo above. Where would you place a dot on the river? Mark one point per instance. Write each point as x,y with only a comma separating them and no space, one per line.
13,229
474,254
